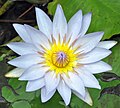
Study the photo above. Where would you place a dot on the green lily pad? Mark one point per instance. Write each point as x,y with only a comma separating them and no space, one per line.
21,104
19,88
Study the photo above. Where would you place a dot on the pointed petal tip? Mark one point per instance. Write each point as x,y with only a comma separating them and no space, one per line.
109,52
114,43
8,75
21,78
43,100
59,5
27,90
109,68
8,45
90,103
90,13
15,73
38,9
11,75
80,11
9,62
99,87
67,103
101,33
16,24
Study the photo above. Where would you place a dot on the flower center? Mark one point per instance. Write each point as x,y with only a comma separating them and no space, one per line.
60,58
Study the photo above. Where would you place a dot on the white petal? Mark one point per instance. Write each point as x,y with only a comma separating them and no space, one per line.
85,24
88,42
37,37
59,24
51,81
45,96
107,44
44,22
95,55
22,48
22,32
34,72
35,85
88,79
15,73
26,61
74,26
98,67
64,91
87,98
75,83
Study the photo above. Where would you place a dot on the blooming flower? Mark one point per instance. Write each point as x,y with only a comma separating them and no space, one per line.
60,56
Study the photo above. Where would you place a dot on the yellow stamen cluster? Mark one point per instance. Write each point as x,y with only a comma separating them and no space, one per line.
60,58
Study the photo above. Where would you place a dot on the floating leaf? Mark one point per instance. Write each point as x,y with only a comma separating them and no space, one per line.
19,88
111,90
21,104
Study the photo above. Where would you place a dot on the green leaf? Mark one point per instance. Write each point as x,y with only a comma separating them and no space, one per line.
21,104
19,88
105,13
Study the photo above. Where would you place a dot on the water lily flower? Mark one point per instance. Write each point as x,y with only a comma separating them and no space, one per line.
60,56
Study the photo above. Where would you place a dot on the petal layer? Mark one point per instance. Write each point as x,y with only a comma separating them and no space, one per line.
59,24
88,79
72,82
64,91
87,98
37,37
85,23
107,44
51,81
26,61
22,32
35,85
22,48
98,67
88,42
34,72
74,26
44,22
45,96
15,73
95,55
